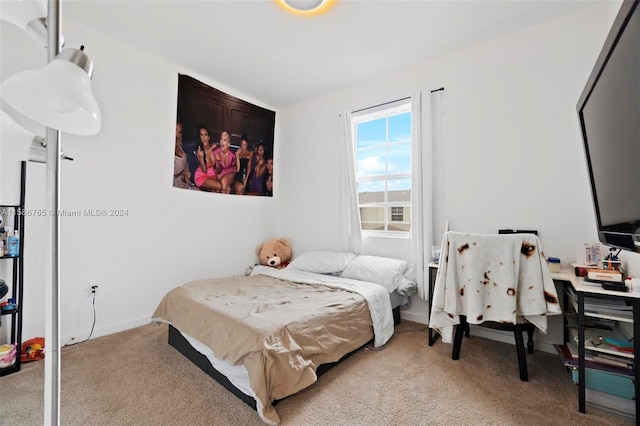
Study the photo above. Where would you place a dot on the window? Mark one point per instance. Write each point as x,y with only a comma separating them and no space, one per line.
397,214
382,137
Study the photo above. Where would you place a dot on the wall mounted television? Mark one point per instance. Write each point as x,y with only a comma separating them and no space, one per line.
609,113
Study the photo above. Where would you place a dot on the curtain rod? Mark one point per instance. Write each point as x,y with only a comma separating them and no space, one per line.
379,105
390,102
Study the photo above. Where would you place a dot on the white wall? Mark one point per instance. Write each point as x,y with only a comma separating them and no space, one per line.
512,150
513,158
169,236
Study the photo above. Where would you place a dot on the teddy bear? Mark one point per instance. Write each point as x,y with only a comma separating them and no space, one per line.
275,253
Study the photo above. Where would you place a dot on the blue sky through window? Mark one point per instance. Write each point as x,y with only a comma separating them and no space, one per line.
400,127
383,147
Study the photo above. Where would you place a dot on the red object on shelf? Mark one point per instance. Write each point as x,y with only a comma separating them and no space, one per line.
32,350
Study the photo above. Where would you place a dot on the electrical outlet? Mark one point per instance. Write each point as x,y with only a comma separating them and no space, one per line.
93,290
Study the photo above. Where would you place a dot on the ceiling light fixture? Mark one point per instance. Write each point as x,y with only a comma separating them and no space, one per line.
306,7
304,4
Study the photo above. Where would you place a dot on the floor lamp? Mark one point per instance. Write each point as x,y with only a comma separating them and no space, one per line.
58,96
27,144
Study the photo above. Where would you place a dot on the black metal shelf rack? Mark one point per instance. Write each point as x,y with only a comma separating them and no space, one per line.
14,317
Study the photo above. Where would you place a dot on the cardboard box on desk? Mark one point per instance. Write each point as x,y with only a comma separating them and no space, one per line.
604,275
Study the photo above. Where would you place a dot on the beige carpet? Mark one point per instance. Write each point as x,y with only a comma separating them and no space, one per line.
136,378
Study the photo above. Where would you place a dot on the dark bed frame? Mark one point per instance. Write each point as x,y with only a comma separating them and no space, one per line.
177,340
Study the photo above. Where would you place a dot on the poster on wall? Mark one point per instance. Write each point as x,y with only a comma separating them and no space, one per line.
223,144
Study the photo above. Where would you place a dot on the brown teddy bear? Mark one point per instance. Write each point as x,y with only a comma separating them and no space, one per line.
275,253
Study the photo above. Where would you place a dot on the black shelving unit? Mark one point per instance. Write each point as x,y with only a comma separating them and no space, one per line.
14,216
611,387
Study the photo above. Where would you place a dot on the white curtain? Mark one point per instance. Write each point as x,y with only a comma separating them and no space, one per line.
352,234
439,222
420,191
426,111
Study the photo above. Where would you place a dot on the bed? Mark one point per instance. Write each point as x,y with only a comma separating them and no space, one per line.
268,335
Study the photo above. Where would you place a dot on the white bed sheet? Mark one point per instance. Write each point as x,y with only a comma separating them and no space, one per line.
237,374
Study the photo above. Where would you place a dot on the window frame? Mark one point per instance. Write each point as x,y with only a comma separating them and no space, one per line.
386,110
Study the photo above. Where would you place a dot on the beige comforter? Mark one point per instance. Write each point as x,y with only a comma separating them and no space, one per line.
279,330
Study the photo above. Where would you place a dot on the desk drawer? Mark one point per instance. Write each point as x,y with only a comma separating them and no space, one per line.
601,381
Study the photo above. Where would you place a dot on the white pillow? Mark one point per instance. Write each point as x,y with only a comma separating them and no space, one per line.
322,262
385,271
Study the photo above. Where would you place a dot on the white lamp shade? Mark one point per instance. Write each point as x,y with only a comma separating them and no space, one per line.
25,144
28,15
58,96
12,131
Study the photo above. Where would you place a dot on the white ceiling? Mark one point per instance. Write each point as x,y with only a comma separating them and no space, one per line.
257,48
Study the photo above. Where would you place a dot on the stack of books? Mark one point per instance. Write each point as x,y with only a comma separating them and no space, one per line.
594,360
608,346
609,307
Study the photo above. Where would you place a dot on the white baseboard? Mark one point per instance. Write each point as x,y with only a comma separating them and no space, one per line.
103,331
507,337
415,317
487,333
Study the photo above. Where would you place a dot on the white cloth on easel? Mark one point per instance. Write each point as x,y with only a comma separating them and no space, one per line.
500,278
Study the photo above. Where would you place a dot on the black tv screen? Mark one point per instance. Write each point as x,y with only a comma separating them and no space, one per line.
609,112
